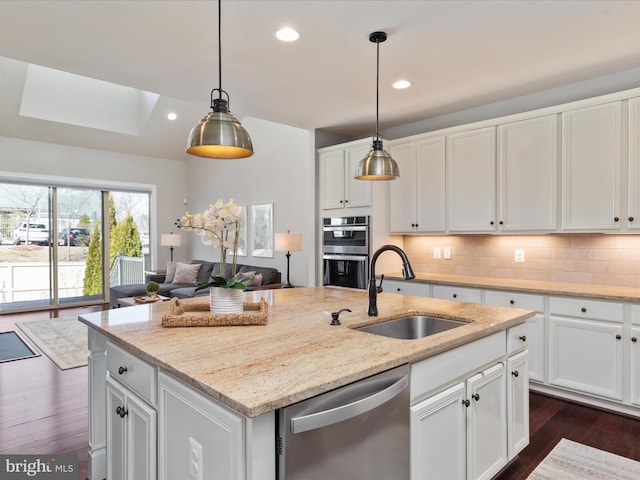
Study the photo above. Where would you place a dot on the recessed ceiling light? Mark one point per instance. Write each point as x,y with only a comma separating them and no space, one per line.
287,34
172,116
400,84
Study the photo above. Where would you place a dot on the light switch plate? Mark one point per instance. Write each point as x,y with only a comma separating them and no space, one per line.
437,253
519,255
447,253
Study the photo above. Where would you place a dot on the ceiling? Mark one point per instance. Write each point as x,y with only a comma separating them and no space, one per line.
458,54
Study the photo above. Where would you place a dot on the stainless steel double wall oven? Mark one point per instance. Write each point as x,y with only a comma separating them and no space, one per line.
345,251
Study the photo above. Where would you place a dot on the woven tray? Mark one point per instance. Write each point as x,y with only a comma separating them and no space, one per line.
198,315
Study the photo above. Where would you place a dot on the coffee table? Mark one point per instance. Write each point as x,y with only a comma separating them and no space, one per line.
131,301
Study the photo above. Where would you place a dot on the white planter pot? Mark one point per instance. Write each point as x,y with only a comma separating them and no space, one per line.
226,300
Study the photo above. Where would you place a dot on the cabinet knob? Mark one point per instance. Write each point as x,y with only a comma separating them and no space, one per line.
634,339
618,337
122,412
476,396
512,302
491,222
346,201
466,403
523,338
501,222
616,219
631,219
515,373
455,295
122,370
341,201
583,309
398,289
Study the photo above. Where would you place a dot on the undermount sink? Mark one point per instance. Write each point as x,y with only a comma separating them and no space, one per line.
412,327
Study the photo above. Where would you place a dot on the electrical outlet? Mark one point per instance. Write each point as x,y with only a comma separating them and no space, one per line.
437,253
519,256
195,460
447,253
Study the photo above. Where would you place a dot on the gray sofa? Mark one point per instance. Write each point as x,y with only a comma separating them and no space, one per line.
271,278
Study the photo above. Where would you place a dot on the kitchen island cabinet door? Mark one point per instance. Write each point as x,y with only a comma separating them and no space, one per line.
635,365
486,423
528,175
471,181
438,437
517,403
591,164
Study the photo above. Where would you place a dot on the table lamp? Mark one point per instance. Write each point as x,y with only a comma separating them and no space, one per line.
170,240
288,242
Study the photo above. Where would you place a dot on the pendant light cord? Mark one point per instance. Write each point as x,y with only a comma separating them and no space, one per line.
220,48
377,85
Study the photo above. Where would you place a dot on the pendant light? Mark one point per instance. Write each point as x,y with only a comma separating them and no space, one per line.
219,134
378,164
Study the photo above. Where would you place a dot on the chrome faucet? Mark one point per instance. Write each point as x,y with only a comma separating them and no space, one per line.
407,274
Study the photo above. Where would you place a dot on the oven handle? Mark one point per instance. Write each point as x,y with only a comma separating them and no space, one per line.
345,229
344,412
357,258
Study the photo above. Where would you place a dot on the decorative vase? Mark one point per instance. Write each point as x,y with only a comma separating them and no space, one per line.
226,300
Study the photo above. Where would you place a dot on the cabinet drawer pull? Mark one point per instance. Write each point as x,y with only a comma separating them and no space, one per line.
491,222
515,373
512,302
466,403
631,219
616,219
476,396
455,295
122,370
583,309
634,339
618,337
523,338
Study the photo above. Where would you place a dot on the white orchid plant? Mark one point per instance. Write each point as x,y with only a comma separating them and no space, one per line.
219,226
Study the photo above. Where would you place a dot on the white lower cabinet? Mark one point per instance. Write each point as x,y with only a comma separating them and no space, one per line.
131,434
407,287
635,365
586,348
517,403
475,422
458,294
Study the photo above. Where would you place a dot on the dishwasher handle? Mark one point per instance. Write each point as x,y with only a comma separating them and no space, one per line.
344,412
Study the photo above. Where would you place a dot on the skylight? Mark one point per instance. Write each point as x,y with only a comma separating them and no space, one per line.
64,97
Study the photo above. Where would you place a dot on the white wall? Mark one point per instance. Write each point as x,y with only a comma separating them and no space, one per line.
282,172
166,179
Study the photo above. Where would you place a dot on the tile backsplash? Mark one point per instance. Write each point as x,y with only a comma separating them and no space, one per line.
586,259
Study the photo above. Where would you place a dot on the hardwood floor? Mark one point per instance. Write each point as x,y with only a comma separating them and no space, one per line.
43,410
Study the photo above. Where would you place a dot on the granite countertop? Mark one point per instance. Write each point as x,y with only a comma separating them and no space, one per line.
297,355
604,292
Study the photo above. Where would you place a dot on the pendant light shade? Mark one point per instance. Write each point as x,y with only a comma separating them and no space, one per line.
378,164
219,134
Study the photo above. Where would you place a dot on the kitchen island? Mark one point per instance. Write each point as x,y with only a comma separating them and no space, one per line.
252,371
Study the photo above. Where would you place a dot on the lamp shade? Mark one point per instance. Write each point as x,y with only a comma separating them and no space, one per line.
377,165
288,242
219,135
170,240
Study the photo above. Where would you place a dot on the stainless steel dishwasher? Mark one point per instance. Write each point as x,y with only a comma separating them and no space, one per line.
359,431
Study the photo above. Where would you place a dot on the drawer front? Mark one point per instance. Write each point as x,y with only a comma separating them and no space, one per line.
133,372
635,314
407,287
437,372
517,338
526,301
587,309
458,294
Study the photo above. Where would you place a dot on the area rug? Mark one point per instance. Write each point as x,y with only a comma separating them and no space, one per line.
12,347
63,340
573,461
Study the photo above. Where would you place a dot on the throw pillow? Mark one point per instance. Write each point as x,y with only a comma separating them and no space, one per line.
186,273
250,279
171,272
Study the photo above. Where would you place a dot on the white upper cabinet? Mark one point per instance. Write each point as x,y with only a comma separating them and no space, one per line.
337,167
528,175
633,174
591,162
471,180
418,197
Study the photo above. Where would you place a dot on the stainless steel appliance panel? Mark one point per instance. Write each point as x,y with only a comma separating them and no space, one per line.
345,270
360,431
